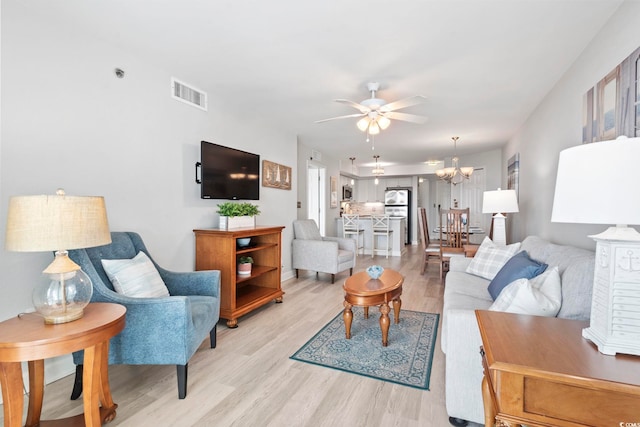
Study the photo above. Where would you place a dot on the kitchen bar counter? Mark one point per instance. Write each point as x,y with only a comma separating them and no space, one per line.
398,225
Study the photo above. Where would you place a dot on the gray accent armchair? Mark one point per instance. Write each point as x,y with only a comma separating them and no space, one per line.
311,251
158,331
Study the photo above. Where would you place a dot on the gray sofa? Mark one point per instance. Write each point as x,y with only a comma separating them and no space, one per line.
464,293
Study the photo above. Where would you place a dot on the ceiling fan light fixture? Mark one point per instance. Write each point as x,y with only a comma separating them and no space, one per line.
383,122
363,124
374,129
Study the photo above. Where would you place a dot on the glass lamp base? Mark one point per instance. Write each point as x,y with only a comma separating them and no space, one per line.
63,317
63,298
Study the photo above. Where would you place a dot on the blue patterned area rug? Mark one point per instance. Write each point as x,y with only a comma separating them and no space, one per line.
406,360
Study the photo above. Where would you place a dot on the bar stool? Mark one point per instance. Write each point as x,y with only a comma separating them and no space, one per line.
351,229
380,227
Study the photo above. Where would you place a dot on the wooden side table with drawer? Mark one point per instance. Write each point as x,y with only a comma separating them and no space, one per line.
539,371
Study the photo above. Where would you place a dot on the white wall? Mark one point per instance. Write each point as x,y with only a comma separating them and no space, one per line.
69,122
556,124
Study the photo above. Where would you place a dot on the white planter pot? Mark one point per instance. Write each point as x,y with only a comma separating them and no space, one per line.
231,222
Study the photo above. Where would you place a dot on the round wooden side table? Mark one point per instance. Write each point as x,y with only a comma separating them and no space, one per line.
362,290
27,338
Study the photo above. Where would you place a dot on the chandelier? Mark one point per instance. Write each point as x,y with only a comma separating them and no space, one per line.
454,174
377,170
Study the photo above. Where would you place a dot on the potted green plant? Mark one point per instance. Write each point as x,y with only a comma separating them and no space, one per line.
244,265
237,215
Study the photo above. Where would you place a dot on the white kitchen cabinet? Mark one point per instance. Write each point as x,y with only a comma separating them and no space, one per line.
402,181
376,192
361,190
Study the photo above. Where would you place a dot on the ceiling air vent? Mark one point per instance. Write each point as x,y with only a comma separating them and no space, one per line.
188,94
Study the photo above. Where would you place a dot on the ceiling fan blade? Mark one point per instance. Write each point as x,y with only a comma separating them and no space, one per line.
342,117
405,117
362,108
403,103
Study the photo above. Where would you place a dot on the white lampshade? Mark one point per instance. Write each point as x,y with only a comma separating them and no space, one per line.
597,183
503,201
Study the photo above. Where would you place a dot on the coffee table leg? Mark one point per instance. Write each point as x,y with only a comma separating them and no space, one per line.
397,303
366,312
347,316
384,323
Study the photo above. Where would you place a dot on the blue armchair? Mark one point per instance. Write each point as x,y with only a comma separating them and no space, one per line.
158,331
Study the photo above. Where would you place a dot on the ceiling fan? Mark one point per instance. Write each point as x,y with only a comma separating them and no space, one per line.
376,114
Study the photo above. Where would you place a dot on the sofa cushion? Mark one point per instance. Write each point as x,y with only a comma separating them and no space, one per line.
540,296
519,266
136,277
576,268
344,256
490,258
462,292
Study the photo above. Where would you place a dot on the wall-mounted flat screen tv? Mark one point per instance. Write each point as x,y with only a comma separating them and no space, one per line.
228,173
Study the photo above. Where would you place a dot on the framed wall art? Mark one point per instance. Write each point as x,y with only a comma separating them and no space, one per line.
275,175
333,191
513,173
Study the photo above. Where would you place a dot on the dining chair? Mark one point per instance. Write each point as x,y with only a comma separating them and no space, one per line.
429,249
454,234
351,229
381,227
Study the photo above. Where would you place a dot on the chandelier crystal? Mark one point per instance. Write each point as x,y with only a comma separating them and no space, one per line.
455,174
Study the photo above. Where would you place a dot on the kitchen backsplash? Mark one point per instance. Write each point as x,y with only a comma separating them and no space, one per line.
362,208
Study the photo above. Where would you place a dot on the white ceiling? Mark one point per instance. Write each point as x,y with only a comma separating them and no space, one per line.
483,65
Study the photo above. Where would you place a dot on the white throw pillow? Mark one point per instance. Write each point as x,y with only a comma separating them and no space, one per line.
490,258
540,296
136,277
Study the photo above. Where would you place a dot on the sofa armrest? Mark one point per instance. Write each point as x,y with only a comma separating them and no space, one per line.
463,366
459,263
343,243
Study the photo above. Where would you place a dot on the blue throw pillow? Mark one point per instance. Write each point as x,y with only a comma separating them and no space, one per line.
520,266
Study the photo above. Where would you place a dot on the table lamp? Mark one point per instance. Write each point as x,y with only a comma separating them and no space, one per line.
499,202
597,184
58,223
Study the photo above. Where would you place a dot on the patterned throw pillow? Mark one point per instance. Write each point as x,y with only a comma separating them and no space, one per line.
540,296
490,258
136,277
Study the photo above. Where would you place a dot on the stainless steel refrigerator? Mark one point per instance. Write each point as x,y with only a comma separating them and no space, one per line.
397,203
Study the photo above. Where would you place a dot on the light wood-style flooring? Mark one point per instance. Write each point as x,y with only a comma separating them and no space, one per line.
249,380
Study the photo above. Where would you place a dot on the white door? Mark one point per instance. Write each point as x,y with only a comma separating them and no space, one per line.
316,194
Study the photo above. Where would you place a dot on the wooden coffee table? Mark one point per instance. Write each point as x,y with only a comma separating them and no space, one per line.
363,291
